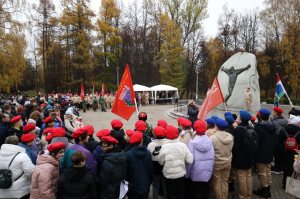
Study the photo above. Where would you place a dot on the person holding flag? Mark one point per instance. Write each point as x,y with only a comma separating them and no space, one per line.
280,92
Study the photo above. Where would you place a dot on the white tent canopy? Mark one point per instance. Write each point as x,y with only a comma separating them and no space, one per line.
162,87
138,87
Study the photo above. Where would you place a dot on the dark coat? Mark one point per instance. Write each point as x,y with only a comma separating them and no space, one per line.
139,169
230,130
77,182
91,144
18,133
128,147
266,144
146,139
113,171
97,155
240,160
23,115
193,113
291,130
9,114
119,135
64,103
279,122
3,132
39,123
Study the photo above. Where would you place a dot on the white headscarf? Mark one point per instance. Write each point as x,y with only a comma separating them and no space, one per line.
294,119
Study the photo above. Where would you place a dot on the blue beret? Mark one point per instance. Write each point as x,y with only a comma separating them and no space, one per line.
210,121
48,107
264,111
229,119
245,115
221,123
214,117
227,113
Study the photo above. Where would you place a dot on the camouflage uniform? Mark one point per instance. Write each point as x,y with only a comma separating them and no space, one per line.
149,130
102,103
84,105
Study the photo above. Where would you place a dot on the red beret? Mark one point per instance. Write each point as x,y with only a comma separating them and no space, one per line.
56,146
142,115
103,132
129,132
258,113
162,123
15,119
28,127
171,132
42,105
278,110
200,126
79,132
48,130
159,131
49,138
27,137
58,132
116,124
109,139
90,129
253,119
179,120
47,119
136,137
186,122
140,125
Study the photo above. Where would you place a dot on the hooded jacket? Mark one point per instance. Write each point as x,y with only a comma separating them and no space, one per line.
29,152
291,129
146,139
223,143
119,135
44,178
173,156
113,171
203,152
157,168
77,182
279,122
20,164
266,144
71,124
97,155
139,170
91,144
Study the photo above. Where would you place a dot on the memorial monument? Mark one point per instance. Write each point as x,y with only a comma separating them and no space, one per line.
235,75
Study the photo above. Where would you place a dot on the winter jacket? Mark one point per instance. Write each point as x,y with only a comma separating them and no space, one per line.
266,144
71,124
203,152
119,135
97,155
173,156
39,123
30,152
157,168
64,103
291,129
44,178
113,171
3,132
193,113
23,115
90,160
128,147
229,130
279,122
240,159
20,164
146,139
77,182
297,167
91,144
139,170
185,137
16,132
210,132
223,143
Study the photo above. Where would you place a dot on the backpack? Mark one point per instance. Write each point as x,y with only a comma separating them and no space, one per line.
250,139
291,142
5,176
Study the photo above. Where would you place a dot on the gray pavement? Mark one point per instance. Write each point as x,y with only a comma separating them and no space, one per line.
101,120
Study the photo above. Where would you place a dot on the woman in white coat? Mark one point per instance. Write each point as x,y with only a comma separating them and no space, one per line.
21,168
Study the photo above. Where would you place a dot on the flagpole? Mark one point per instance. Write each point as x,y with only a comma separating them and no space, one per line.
137,111
225,106
291,103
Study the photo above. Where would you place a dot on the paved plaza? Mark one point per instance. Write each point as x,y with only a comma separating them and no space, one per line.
101,120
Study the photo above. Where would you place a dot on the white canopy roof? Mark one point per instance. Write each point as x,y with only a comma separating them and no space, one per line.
162,87
138,87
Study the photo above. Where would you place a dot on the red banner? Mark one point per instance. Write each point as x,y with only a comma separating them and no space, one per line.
102,92
214,98
124,105
82,91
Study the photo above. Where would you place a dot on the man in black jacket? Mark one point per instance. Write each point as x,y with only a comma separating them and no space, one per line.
264,155
77,181
241,161
118,133
4,126
92,143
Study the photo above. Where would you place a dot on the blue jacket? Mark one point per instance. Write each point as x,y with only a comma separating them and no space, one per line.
139,169
30,152
3,132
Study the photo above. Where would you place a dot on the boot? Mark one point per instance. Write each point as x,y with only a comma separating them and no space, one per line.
231,187
262,192
269,192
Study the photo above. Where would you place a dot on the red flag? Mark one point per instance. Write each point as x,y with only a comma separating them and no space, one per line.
124,105
102,92
214,98
82,91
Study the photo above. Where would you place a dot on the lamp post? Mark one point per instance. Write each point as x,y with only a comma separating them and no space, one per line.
197,72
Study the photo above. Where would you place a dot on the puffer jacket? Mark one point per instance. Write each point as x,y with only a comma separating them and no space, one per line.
223,143
44,178
156,142
173,156
185,137
119,135
203,152
71,124
297,167
20,164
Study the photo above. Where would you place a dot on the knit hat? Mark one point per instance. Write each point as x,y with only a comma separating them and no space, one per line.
162,123
136,137
103,132
31,121
140,125
210,121
109,139
27,137
159,131
79,132
171,132
245,115
56,146
90,130
229,119
116,124
200,126
69,112
28,127
221,123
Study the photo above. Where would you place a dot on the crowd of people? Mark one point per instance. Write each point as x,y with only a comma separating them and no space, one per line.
51,154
